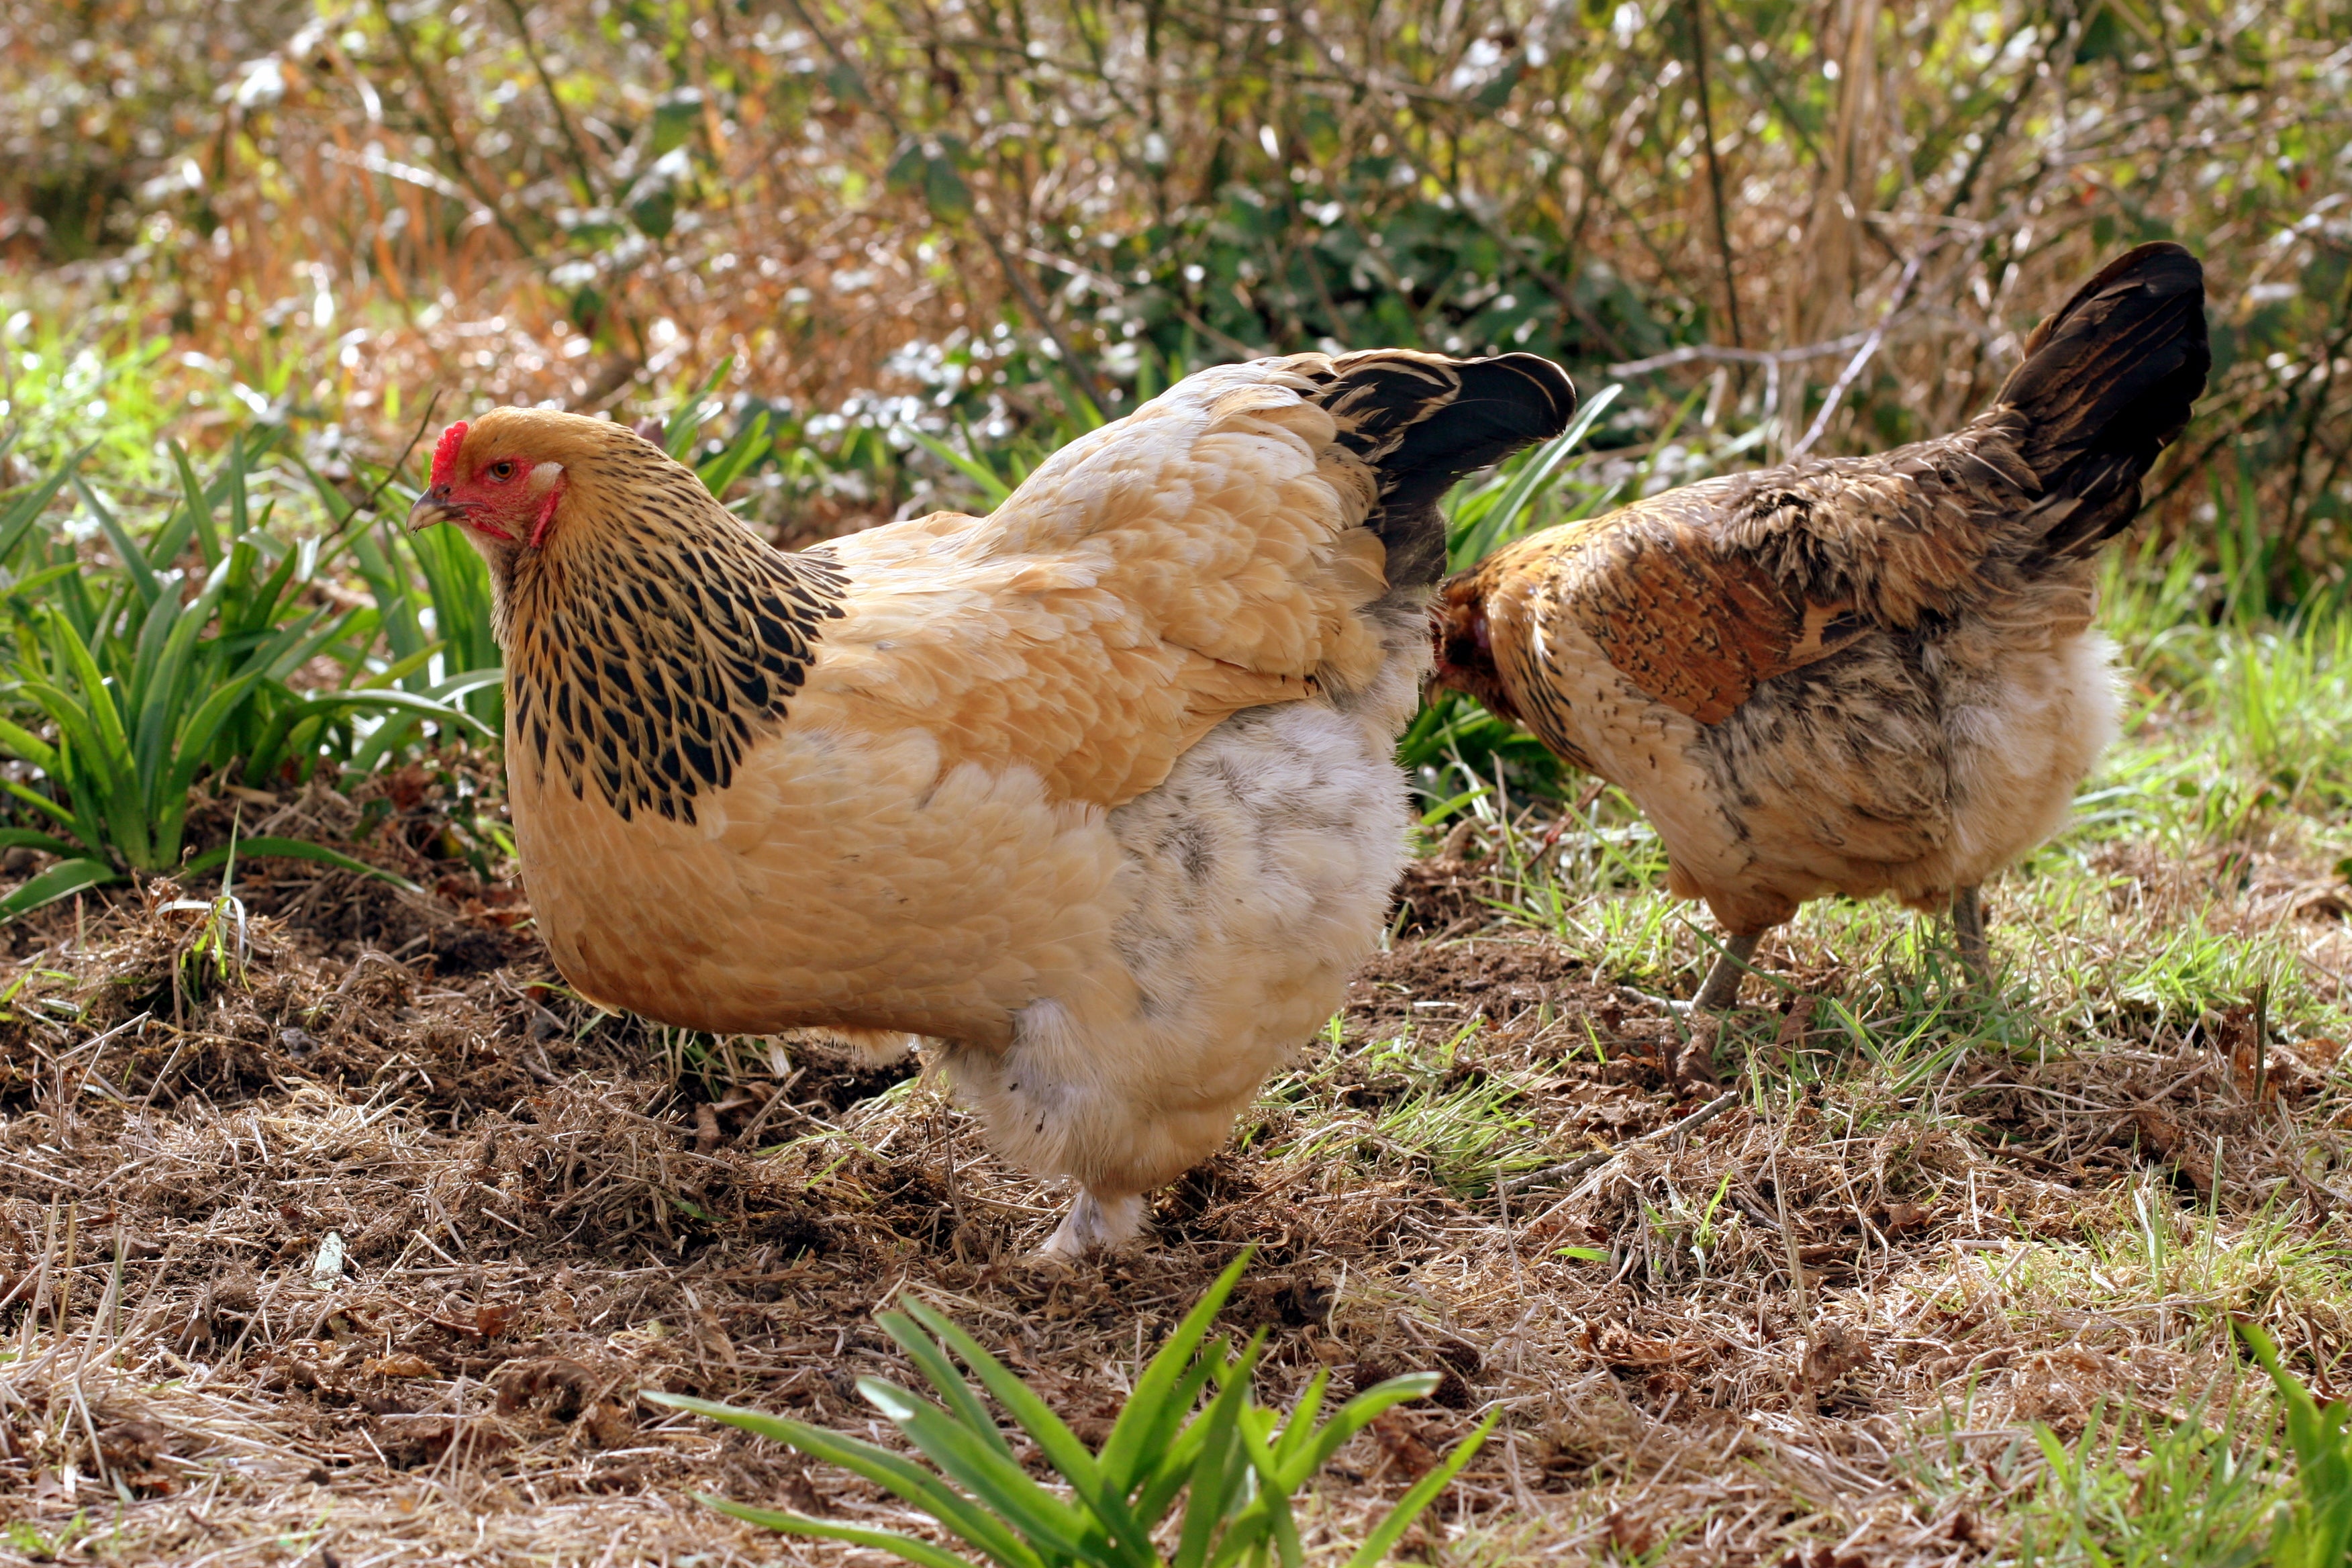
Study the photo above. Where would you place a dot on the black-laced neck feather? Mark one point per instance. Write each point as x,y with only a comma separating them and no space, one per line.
655,638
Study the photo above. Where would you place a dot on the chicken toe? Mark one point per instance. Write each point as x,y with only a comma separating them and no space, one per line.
1093,1224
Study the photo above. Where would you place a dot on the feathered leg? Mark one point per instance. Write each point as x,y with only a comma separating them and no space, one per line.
1094,1223
1968,927
1721,987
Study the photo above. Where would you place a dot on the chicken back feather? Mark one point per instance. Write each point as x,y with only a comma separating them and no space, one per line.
1854,675
1096,791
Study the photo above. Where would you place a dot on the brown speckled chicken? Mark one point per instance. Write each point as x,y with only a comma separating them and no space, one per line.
1098,790
1854,675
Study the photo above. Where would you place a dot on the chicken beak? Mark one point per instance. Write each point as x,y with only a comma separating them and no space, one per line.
434,506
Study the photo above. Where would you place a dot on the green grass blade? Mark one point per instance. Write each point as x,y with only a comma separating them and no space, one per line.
750,444
992,1479
1165,1476
83,828
27,839
464,683
135,566
22,743
1424,1492
92,775
19,517
266,847
30,587
60,882
905,1546
196,507
1301,1425
1129,1541
1356,1415
97,701
1149,1415
1217,1472
156,692
893,1473
983,477
932,1362
678,439
1274,1490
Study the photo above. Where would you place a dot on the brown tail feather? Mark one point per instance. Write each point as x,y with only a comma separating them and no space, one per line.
2105,384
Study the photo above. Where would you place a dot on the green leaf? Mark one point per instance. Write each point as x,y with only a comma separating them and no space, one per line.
27,839
1129,1541
1044,1518
1216,1474
905,1546
266,846
1150,1414
1424,1492
60,882
17,519
98,702
945,192
22,743
196,507
678,440
932,1362
995,490
126,549
884,1468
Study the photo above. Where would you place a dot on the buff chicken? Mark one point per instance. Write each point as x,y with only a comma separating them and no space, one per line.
1096,791
1854,675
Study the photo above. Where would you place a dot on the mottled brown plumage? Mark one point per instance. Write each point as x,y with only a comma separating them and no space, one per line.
1854,675
1098,791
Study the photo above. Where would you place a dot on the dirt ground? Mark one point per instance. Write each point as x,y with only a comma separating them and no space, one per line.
542,1213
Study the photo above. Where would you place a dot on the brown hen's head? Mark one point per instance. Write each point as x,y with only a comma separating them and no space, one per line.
1464,642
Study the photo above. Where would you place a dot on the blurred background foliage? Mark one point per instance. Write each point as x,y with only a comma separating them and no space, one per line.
970,217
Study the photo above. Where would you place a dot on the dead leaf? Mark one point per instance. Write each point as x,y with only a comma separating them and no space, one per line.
1897,1217
1618,1345
400,1364
1831,1350
1794,1025
1395,1431
2164,1137
132,1445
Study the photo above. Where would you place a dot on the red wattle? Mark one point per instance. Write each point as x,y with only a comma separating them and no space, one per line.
546,514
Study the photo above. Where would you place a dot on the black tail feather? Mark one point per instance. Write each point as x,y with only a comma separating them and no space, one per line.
1422,421
2106,383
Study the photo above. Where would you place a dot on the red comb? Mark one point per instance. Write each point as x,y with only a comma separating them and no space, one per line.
445,456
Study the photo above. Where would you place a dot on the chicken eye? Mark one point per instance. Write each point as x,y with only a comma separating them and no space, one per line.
502,470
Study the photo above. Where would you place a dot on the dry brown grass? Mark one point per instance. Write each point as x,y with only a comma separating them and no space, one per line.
544,1213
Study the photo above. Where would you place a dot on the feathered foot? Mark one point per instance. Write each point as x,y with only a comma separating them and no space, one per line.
1094,1223
1968,927
1721,987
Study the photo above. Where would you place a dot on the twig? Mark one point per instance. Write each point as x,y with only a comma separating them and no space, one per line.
1577,1167
555,101
367,502
451,146
1775,357
1020,280
1714,169
1862,356
2261,1046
